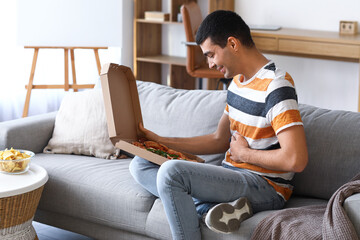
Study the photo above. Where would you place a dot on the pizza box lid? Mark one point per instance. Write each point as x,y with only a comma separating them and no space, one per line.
123,112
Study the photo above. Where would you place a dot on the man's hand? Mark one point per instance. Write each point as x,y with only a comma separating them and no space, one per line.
149,134
238,145
292,156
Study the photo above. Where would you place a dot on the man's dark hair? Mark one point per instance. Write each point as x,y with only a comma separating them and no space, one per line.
220,25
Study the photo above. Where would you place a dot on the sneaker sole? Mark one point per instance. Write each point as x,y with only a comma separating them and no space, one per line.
226,218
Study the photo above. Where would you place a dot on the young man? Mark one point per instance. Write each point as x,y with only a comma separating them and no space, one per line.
267,141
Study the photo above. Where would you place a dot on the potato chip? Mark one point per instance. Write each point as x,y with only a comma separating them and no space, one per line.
10,160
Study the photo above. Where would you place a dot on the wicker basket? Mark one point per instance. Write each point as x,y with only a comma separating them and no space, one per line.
16,215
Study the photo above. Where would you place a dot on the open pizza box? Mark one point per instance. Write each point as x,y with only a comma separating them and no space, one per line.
123,112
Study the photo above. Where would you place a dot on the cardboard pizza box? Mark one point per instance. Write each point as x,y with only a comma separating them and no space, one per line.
123,112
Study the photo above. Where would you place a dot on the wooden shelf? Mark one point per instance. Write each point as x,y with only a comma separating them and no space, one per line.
157,22
164,59
148,56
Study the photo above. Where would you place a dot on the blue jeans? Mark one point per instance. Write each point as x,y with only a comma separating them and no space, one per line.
179,184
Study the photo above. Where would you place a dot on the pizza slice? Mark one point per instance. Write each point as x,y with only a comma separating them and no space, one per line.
161,150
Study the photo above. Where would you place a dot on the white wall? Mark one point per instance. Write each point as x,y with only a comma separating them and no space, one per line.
323,83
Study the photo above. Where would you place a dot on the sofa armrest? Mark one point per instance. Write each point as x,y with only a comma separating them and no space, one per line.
30,133
352,206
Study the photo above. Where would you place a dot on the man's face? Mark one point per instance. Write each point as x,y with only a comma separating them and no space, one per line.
221,59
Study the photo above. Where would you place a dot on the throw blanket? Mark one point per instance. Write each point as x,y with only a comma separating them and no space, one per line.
313,222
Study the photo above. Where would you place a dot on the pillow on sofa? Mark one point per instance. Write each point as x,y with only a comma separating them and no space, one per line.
81,126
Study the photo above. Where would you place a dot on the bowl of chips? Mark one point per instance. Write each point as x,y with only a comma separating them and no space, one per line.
15,161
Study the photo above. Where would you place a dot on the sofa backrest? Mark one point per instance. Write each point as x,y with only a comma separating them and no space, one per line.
181,113
334,152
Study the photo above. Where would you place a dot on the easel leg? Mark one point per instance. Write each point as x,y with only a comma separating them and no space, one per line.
72,56
30,85
97,60
66,63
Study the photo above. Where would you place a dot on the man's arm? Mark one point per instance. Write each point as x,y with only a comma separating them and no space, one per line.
217,142
292,156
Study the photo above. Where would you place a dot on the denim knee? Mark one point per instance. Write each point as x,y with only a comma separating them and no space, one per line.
170,175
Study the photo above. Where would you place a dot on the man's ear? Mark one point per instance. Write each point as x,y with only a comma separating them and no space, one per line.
233,43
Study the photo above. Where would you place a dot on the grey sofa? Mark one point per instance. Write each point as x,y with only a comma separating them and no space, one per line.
99,198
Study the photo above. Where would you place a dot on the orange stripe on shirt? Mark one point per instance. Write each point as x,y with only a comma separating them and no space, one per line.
289,78
251,131
284,191
285,118
256,84
238,79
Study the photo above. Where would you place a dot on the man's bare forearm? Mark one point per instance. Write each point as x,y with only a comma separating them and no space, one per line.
217,142
292,156
206,144
277,160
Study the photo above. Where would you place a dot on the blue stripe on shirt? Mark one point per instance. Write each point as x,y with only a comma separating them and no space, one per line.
258,108
245,105
279,95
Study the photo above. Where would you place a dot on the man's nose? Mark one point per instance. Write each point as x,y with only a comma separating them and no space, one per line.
211,64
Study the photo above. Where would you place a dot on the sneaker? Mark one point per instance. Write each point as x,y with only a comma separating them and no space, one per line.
226,217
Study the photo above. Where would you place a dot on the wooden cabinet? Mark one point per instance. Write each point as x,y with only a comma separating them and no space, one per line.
310,43
148,56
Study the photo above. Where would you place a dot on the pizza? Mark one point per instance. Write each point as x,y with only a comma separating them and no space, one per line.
161,150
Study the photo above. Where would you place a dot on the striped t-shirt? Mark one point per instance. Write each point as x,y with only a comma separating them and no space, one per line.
258,110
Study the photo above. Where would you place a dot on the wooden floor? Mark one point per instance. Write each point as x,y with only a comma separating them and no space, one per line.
46,232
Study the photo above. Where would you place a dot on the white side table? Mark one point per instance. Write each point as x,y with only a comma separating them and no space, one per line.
19,197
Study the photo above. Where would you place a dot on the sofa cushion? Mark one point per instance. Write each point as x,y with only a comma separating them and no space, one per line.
181,113
81,127
96,190
334,152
